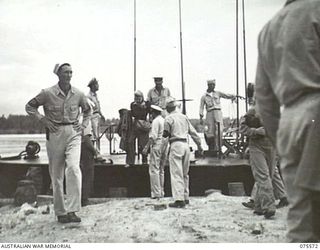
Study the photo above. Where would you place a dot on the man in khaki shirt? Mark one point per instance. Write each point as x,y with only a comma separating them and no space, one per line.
211,101
96,111
288,76
177,127
61,104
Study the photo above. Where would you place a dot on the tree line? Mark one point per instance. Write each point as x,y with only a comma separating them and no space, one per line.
25,124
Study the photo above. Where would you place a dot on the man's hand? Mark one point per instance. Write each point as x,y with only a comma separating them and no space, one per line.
78,127
49,124
200,150
201,119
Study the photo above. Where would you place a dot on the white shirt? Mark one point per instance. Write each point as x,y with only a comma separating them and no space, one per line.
156,131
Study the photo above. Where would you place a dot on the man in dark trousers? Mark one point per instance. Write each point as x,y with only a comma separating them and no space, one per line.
88,154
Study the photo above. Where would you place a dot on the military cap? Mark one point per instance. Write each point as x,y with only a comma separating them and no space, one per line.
157,108
58,66
213,81
158,79
171,102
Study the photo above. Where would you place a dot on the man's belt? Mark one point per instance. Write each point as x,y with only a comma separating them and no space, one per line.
65,123
177,139
210,109
95,112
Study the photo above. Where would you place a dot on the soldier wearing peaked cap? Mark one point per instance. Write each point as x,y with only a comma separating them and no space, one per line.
158,94
61,104
211,101
177,127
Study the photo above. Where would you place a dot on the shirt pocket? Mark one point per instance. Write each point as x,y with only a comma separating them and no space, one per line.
73,111
216,99
55,111
209,101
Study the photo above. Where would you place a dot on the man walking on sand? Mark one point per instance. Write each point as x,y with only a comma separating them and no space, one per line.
61,104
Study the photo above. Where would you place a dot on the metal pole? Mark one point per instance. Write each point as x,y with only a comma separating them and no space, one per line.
184,111
244,52
237,60
110,143
219,141
134,52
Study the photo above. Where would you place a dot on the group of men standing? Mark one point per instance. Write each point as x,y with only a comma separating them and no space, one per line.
169,126
287,96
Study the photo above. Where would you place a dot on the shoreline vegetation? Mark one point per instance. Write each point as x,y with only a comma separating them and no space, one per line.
24,124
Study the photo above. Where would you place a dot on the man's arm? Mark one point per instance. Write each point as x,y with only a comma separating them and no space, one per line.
84,104
202,103
193,133
249,131
267,104
167,128
149,96
32,110
227,96
33,105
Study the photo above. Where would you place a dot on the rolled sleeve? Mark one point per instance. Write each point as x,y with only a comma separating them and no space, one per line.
33,105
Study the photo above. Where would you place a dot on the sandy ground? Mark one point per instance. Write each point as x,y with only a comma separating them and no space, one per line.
215,218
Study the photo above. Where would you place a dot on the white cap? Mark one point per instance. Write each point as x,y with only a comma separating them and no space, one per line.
56,68
171,102
155,107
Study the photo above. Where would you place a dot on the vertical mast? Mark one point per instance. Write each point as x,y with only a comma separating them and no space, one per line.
237,60
134,52
244,52
181,57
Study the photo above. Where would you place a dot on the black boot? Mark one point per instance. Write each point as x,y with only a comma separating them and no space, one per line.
249,204
63,218
73,217
283,202
177,204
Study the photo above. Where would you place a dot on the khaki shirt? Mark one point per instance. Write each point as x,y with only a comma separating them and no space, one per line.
94,98
179,126
159,99
60,108
212,101
289,60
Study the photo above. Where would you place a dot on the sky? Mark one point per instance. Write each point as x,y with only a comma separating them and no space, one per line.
97,38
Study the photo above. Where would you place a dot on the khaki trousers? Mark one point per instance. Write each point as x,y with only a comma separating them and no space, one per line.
262,161
279,191
213,117
63,148
156,171
95,118
179,161
292,137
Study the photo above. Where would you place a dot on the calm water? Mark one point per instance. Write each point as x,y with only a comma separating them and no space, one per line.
13,144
